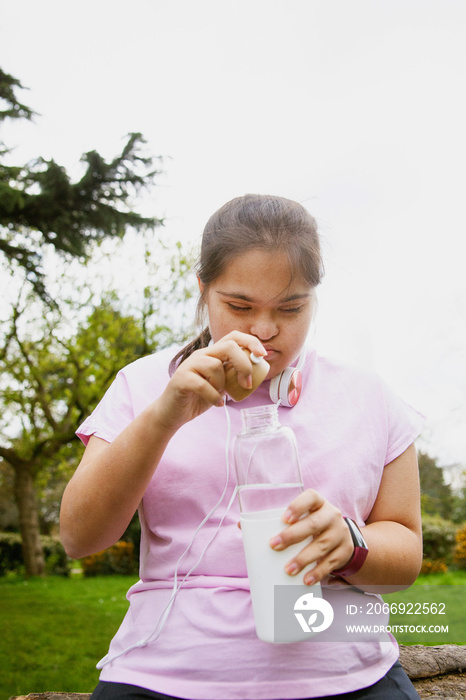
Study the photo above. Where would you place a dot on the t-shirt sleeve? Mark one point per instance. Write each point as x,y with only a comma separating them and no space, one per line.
404,424
112,415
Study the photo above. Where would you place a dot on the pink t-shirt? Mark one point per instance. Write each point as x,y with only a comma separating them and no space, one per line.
348,426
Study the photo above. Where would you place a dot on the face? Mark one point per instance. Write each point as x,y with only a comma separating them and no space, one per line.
257,294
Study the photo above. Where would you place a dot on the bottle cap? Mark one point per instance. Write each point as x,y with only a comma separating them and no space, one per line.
255,358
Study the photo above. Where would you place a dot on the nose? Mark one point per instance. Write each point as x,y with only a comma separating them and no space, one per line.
264,326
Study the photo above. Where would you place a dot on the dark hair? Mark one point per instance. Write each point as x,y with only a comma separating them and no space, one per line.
248,223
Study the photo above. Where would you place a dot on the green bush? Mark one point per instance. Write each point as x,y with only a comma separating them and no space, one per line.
436,566
133,534
11,555
438,538
460,548
118,559
57,561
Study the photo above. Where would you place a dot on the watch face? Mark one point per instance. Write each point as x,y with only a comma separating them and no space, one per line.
356,534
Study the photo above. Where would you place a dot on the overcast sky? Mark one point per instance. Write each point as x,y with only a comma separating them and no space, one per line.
356,108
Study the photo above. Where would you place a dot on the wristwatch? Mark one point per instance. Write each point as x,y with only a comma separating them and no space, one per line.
360,551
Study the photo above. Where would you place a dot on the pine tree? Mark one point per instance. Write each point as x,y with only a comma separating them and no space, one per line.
41,207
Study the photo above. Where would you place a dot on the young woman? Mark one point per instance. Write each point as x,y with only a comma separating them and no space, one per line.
157,442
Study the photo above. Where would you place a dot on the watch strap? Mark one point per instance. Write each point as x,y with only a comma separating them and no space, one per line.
359,554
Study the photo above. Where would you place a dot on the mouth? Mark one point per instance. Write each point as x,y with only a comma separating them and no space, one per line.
271,353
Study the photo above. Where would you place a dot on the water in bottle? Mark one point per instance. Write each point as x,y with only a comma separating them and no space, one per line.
269,478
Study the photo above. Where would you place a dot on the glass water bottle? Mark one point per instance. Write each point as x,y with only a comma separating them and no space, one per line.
266,460
269,478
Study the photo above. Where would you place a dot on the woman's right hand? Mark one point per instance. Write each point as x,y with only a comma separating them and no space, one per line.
199,382
111,479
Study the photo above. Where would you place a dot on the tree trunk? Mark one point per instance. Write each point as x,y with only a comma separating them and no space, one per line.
33,551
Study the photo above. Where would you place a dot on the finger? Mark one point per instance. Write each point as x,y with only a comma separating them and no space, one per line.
307,502
211,369
203,375
325,519
245,340
293,534
232,355
319,550
329,550
238,367
334,560
195,383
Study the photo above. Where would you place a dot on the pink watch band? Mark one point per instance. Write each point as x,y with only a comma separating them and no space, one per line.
359,554
354,564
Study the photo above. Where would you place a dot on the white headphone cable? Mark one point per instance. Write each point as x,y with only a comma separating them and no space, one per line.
159,625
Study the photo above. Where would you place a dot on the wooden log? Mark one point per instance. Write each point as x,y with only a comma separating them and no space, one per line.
50,695
437,673
451,687
426,662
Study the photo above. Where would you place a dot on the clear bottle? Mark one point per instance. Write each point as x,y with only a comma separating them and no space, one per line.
266,460
269,478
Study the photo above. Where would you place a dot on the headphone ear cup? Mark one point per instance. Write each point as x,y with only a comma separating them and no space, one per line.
274,388
286,387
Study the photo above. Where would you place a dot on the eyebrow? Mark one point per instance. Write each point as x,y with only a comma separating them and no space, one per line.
244,297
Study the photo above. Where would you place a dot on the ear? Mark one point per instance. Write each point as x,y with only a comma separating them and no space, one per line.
201,285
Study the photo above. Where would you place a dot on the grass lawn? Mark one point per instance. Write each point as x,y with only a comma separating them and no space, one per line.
435,601
54,630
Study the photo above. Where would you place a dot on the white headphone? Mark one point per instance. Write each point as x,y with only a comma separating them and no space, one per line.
286,387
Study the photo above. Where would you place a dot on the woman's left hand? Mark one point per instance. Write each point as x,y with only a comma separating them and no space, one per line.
310,514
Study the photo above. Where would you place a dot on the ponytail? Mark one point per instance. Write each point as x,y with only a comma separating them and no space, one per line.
202,341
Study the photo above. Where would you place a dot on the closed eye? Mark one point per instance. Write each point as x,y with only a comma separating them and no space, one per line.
292,310
234,307
287,310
